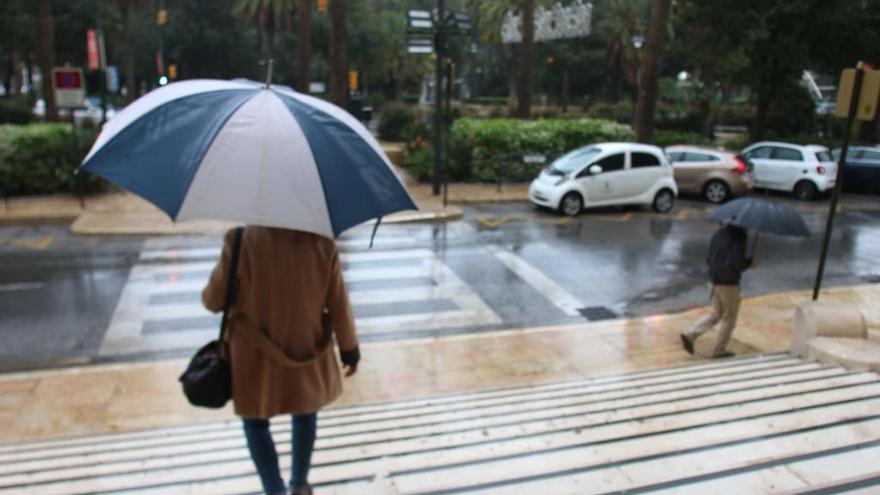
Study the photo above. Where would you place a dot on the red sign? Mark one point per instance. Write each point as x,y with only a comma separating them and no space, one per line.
92,49
68,79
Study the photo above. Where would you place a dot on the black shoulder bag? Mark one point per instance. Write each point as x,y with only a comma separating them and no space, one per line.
207,381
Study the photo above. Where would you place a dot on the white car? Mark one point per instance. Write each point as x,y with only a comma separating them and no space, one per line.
606,174
806,171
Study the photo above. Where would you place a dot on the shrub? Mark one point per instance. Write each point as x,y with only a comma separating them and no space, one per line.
480,150
666,137
622,111
394,121
41,159
733,114
15,111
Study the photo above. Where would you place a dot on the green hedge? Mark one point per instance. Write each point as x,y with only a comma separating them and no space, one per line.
394,121
664,138
41,159
481,149
15,110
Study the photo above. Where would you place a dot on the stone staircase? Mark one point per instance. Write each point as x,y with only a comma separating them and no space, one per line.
764,424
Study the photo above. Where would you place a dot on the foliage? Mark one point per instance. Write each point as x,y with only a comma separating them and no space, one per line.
481,150
394,121
15,111
733,114
41,159
620,111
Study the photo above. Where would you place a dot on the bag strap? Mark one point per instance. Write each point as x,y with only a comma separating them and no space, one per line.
231,281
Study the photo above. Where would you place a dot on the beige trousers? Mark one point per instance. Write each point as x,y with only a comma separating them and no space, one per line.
725,308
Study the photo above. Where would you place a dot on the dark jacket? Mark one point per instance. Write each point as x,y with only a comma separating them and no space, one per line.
727,256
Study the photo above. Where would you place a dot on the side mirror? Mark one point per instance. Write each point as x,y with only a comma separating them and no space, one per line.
595,169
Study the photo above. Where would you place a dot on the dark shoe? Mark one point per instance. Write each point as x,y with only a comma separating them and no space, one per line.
687,343
725,354
306,490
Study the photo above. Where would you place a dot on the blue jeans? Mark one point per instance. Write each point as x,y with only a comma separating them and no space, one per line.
262,448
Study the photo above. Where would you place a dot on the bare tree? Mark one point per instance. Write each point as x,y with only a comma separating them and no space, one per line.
650,71
46,49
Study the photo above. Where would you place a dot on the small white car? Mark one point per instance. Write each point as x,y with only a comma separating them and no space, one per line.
606,174
806,170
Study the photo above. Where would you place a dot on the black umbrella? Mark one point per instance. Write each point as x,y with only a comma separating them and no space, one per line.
761,215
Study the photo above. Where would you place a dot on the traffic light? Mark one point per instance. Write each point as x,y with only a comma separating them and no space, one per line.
172,71
322,5
161,17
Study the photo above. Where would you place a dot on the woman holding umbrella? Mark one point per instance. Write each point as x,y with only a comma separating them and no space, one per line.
290,302
298,172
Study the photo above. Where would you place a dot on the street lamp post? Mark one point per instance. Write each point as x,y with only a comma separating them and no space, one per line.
440,54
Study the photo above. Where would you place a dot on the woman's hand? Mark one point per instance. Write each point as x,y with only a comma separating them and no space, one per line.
350,369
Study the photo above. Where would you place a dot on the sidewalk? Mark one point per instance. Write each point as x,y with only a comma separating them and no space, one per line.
133,396
125,213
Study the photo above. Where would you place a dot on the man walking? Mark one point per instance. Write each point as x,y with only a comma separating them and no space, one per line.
727,260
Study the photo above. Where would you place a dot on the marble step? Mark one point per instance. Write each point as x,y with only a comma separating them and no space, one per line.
472,408
411,407
657,430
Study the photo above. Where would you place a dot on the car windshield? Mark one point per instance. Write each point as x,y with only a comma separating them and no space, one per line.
574,160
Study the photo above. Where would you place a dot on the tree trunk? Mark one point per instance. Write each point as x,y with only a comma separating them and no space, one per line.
650,71
46,48
762,110
15,75
565,88
338,53
304,50
128,53
526,62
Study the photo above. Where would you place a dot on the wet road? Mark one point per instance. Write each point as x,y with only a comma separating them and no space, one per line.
67,299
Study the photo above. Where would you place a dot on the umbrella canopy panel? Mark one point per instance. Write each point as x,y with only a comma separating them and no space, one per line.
763,216
240,152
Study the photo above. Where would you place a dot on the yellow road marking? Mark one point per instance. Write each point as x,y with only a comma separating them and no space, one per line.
626,217
681,215
39,245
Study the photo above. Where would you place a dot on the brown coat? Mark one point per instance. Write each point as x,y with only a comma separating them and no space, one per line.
291,301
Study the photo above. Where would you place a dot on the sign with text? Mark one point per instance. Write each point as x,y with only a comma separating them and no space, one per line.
869,95
69,87
557,22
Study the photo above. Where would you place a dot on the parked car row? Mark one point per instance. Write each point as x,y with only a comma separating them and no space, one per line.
606,174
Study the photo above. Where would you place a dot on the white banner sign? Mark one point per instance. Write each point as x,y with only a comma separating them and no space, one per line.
558,22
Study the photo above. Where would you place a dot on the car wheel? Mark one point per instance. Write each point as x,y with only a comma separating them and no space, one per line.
664,201
716,191
571,204
805,190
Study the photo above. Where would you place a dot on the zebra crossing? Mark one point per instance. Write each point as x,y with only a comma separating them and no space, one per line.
400,289
763,424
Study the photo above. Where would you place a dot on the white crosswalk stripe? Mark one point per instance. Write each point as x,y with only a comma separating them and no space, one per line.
392,291
767,424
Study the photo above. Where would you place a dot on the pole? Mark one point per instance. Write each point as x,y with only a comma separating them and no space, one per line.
102,66
850,120
447,123
440,53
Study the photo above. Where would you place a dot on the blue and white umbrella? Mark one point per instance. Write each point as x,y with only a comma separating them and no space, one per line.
244,152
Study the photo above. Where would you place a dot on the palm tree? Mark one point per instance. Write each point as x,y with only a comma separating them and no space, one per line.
650,71
619,22
269,15
338,53
46,49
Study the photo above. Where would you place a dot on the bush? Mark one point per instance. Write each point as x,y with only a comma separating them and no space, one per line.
666,137
622,111
733,114
15,111
41,159
480,150
394,121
